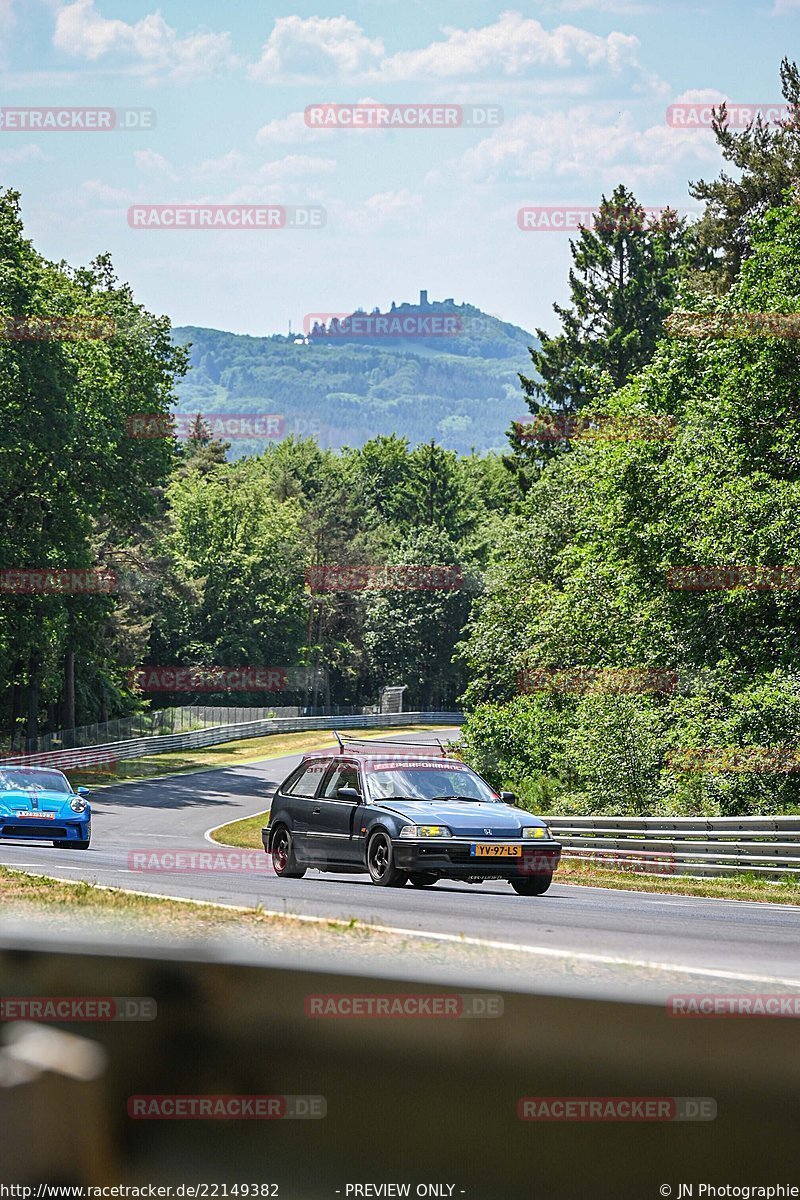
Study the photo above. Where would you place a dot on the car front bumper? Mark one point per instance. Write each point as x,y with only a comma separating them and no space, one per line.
61,829
453,857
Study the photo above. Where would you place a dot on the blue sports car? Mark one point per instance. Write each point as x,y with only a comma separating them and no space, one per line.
38,803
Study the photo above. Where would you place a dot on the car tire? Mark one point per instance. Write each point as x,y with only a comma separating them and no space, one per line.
532,885
380,862
422,879
281,851
73,845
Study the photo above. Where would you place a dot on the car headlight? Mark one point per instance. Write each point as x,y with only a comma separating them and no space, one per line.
425,831
78,804
536,831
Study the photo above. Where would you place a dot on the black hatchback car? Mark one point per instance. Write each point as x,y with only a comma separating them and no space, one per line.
400,813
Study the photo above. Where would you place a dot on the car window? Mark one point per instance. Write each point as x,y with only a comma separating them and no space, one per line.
307,782
12,779
424,782
345,775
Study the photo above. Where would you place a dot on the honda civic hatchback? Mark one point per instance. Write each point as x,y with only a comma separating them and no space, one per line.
403,814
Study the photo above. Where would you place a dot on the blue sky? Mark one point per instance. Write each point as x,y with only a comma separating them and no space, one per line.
583,85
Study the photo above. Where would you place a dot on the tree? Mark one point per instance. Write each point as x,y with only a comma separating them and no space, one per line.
768,164
622,285
202,451
582,577
68,393
410,635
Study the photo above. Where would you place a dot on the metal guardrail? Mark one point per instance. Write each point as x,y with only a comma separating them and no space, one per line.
766,846
185,718
213,736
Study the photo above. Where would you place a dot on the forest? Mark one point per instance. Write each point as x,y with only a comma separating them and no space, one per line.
625,634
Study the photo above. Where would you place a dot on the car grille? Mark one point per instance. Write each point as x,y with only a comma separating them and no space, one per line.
52,831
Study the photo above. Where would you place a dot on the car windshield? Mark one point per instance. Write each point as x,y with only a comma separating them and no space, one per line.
428,782
32,781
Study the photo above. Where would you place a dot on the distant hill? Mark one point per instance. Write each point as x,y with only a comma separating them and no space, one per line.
430,370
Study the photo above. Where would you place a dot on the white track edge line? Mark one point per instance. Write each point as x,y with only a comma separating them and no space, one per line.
458,939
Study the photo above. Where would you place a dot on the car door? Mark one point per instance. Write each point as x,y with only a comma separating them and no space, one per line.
331,824
297,801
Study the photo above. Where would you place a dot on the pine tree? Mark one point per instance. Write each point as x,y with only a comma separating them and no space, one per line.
202,451
769,162
622,285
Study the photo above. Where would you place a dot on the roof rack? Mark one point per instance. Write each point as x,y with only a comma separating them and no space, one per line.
342,739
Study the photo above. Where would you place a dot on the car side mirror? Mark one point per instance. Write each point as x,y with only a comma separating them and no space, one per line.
509,797
82,791
348,793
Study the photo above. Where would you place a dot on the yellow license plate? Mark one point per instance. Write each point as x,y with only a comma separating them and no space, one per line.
495,850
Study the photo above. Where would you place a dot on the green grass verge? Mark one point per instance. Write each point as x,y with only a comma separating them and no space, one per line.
245,834
731,887
21,892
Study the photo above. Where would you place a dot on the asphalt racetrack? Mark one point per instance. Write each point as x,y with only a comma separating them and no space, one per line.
749,945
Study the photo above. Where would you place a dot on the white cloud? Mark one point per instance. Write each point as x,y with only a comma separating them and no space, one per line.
103,191
294,130
19,154
234,171
785,6
222,166
296,166
151,44
700,96
286,131
150,162
513,48
385,208
579,146
317,49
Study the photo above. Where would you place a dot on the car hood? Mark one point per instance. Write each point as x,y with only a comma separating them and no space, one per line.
465,818
21,801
